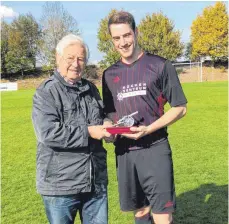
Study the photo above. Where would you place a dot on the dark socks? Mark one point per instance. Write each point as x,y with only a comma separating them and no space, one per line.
146,219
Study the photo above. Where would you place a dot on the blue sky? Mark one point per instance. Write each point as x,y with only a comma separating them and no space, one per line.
89,13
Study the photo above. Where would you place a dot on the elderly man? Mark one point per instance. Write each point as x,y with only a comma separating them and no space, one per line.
68,121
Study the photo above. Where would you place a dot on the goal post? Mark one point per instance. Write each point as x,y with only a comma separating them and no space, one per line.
189,70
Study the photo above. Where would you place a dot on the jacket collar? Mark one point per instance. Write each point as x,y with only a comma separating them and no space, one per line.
81,85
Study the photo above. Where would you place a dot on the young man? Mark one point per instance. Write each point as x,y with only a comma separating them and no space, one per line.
68,122
142,82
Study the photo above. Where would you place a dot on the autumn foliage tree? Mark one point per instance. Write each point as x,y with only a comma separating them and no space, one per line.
4,45
105,44
22,37
157,36
209,33
16,57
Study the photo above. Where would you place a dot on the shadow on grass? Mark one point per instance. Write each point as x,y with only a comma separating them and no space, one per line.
207,204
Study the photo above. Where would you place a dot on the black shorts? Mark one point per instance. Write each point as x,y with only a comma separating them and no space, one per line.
145,177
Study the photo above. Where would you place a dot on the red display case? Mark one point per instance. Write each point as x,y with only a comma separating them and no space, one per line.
119,130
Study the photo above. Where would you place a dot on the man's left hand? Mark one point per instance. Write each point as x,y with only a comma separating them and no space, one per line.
139,132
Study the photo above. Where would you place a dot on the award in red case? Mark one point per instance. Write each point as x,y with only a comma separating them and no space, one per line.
123,125
118,130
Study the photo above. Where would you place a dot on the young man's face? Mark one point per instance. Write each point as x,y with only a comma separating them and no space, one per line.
124,39
72,62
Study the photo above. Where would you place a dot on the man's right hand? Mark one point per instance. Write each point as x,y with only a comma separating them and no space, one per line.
112,138
98,132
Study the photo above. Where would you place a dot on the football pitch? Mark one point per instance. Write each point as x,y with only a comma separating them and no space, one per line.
199,143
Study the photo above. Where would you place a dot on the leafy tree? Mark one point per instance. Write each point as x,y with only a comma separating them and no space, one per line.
4,45
56,22
188,51
209,33
23,35
105,44
157,36
29,29
91,72
16,57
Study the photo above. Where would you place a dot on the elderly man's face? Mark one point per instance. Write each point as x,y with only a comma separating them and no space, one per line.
72,63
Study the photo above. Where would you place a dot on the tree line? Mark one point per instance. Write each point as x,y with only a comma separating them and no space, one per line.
25,41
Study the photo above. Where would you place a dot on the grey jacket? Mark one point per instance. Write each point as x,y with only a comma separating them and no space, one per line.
68,160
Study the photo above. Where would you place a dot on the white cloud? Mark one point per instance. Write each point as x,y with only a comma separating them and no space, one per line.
7,12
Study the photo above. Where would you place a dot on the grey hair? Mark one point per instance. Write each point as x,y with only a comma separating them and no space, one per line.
69,40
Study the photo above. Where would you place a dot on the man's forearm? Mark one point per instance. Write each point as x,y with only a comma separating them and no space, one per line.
171,116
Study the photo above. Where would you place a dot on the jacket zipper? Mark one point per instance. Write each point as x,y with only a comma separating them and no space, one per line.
90,173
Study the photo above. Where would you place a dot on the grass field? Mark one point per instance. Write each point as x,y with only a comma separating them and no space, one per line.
199,143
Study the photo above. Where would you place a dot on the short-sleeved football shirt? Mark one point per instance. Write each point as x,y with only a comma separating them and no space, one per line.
144,86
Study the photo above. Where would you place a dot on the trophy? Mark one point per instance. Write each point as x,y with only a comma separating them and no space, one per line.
123,125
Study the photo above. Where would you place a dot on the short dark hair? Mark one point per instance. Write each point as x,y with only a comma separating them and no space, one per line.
122,17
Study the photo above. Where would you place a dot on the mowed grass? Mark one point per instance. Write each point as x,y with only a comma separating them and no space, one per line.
199,144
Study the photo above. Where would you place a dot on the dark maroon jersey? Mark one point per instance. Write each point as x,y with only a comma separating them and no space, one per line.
144,86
